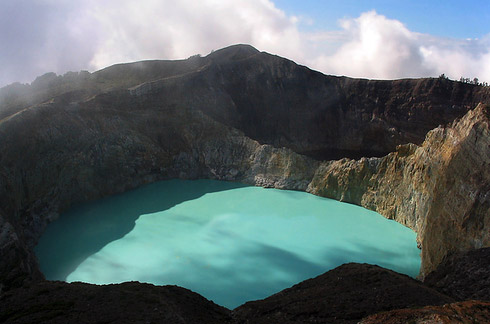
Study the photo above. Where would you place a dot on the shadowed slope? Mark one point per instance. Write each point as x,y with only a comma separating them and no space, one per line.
343,295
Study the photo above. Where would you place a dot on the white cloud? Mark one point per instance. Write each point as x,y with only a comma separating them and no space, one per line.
377,47
61,35
177,29
467,58
374,46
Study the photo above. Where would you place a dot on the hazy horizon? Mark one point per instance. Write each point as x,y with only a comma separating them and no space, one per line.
379,40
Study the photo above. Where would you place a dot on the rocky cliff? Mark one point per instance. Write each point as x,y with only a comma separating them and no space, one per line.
440,189
242,115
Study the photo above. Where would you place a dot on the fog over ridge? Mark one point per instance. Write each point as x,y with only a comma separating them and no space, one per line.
40,36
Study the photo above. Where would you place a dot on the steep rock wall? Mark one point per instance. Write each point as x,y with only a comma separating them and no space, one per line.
275,101
440,189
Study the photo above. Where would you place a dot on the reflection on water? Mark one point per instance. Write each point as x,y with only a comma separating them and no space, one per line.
229,242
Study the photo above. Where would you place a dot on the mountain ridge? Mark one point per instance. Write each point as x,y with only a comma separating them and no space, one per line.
387,120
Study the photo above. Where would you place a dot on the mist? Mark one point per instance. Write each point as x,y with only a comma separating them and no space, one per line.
40,36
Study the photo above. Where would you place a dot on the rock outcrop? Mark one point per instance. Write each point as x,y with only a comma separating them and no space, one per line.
440,189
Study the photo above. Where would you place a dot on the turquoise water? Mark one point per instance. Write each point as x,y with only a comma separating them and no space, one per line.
229,242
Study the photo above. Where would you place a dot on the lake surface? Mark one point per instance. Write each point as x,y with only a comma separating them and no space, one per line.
227,241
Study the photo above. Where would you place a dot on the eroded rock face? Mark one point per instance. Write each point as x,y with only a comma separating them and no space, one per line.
242,115
440,189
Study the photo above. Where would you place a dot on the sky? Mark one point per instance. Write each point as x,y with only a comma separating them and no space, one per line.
379,39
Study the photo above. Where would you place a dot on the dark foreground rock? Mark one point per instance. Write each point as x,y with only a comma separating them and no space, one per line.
131,302
463,275
343,295
468,312
347,294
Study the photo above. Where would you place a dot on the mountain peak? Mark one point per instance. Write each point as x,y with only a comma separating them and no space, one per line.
234,52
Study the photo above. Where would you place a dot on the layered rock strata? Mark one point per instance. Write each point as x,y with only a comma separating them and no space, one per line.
273,100
440,189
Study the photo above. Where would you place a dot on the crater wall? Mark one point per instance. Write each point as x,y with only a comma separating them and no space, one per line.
242,115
